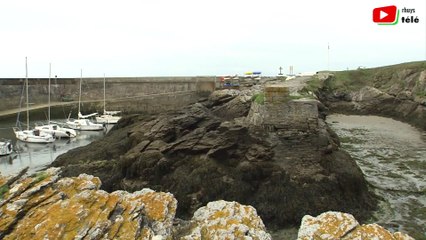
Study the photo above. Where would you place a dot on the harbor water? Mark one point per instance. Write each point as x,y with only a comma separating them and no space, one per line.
37,156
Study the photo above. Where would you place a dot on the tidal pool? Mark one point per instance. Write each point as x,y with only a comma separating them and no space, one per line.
392,156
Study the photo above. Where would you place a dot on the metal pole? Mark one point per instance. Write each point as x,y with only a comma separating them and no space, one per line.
104,95
48,112
26,86
79,95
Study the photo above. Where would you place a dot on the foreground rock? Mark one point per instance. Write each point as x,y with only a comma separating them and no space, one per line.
227,220
337,225
278,157
46,206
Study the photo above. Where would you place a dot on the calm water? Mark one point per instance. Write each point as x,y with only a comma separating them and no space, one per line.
37,156
392,156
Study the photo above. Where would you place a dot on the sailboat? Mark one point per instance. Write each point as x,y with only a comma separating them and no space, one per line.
6,147
53,128
32,136
83,122
107,116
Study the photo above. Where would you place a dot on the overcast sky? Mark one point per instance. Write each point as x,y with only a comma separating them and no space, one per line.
193,37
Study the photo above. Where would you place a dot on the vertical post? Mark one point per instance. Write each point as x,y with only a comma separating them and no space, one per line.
104,95
79,95
26,94
48,111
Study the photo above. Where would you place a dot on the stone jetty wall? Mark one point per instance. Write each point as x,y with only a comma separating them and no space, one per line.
162,93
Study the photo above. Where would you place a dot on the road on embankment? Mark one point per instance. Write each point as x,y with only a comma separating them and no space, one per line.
40,106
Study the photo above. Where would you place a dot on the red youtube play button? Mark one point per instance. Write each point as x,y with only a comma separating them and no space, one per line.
385,14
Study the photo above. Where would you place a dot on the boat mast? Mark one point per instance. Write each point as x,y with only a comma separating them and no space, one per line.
48,111
79,95
104,94
26,94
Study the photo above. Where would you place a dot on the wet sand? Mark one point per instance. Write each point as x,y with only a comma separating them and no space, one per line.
392,156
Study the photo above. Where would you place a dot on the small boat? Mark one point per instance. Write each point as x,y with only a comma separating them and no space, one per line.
57,131
6,147
108,117
83,122
32,136
53,128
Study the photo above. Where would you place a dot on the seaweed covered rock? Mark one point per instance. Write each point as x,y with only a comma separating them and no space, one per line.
287,166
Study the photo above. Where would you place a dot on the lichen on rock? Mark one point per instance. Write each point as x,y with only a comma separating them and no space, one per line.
51,207
227,220
75,208
338,225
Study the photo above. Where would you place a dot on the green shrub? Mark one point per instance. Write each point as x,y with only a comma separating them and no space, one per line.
259,98
3,189
40,177
313,85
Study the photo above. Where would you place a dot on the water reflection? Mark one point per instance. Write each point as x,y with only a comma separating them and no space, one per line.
37,156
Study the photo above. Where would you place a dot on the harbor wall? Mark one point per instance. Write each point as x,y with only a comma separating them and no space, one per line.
130,95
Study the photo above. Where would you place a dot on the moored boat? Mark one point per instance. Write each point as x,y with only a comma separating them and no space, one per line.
83,122
108,117
28,135
53,128
6,147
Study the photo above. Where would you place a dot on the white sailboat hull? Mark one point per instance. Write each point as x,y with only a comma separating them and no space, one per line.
57,131
31,136
108,119
84,125
6,147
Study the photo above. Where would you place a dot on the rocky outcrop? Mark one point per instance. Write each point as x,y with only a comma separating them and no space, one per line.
227,220
45,206
395,91
337,225
209,151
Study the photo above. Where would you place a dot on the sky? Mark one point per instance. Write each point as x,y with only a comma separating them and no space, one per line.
131,38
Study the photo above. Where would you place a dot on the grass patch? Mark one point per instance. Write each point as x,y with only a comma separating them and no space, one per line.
420,93
259,98
40,177
350,80
313,84
3,189
383,78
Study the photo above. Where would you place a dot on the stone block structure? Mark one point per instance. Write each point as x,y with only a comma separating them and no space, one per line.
286,115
